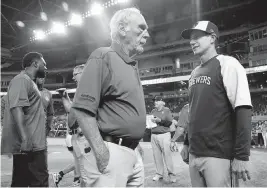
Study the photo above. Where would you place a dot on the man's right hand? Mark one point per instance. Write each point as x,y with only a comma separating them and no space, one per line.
102,159
185,154
174,146
62,92
26,146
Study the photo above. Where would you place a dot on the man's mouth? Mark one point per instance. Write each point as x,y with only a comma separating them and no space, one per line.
142,43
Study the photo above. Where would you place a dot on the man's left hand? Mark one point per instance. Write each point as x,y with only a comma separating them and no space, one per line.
156,120
240,168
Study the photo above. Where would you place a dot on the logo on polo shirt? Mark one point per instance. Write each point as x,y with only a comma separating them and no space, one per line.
200,80
88,97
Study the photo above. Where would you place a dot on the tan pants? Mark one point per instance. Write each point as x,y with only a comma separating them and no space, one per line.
162,153
77,172
125,167
209,171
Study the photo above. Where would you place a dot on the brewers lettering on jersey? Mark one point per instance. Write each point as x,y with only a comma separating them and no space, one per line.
199,80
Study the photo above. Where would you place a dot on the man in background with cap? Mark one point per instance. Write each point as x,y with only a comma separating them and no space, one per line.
219,113
73,135
160,140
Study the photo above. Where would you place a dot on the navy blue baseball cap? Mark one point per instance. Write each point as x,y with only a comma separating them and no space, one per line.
205,26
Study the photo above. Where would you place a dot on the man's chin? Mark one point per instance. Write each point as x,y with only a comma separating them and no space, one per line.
139,50
196,52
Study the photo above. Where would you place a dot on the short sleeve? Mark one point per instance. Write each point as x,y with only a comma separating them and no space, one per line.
88,93
235,82
18,93
183,118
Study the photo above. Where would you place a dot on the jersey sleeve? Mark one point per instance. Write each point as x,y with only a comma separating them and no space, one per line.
235,81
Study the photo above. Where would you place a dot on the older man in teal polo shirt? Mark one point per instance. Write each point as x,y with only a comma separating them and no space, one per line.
109,106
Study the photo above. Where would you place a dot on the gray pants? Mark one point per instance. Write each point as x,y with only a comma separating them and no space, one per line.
209,171
162,153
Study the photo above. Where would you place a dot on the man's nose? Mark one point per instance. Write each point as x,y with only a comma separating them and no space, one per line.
146,35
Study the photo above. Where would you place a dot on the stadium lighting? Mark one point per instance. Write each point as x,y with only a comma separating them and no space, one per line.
96,9
65,6
76,19
20,24
39,34
43,16
58,28
122,1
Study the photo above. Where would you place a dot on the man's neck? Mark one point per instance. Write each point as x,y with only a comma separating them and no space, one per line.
210,53
30,73
126,50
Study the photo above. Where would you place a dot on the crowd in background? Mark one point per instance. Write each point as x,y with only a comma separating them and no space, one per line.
259,106
175,105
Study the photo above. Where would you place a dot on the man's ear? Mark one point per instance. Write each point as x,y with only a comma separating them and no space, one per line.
122,30
34,64
213,39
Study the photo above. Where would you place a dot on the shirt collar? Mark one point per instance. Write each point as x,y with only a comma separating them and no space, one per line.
118,49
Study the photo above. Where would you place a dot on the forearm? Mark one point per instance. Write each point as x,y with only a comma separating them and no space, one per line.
140,150
243,133
89,127
186,140
18,115
179,131
165,123
66,103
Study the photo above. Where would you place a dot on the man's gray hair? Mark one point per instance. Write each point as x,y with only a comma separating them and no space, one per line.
121,16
